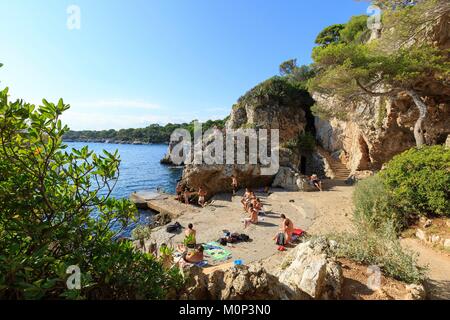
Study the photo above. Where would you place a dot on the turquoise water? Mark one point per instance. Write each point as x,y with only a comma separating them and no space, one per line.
139,170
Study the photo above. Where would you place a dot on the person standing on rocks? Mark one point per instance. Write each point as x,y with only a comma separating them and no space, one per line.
201,196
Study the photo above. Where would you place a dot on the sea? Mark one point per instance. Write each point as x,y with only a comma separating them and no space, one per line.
140,170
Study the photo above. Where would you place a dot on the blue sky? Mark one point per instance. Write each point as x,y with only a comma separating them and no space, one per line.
138,62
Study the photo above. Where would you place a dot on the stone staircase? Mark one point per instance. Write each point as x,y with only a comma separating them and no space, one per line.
339,170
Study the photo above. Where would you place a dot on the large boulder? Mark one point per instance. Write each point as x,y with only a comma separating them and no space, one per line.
309,269
273,104
306,273
236,283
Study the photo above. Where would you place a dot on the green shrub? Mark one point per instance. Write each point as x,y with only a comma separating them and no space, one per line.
373,204
379,247
418,181
56,211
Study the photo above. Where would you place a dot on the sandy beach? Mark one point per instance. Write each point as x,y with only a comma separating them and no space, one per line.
314,212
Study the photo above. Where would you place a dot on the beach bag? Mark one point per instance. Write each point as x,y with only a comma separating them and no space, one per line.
280,239
243,237
222,241
173,228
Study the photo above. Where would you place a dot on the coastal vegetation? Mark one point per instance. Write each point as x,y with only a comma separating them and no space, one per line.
413,184
57,212
153,133
353,69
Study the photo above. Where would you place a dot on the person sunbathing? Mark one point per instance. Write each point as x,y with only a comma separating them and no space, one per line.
287,227
201,196
253,217
194,256
316,182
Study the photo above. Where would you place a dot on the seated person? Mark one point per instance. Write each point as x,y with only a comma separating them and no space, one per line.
246,196
190,235
315,181
287,227
194,256
253,217
201,196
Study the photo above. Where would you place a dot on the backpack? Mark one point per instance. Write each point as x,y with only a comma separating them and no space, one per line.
244,237
173,228
280,239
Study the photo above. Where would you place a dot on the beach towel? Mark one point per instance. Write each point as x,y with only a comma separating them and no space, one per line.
298,232
216,252
202,264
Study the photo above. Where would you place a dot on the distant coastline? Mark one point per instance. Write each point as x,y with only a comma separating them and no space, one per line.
111,141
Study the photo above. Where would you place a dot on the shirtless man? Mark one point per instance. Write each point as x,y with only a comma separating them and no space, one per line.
234,184
201,196
287,227
191,232
194,256
245,197
253,217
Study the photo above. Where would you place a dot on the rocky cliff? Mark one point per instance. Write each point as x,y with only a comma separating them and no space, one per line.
273,104
370,133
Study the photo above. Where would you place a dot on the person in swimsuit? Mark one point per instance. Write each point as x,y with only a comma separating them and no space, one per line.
253,217
186,195
201,196
287,227
194,256
191,233
316,182
245,197
234,184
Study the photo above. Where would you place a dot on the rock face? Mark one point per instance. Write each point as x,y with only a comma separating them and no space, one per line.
308,273
378,129
274,110
309,269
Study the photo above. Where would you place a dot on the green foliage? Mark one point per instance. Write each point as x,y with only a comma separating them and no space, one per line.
304,143
288,67
418,181
329,35
276,90
154,133
379,247
56,211
373,204
355,31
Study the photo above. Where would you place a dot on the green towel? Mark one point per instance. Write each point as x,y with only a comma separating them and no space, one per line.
216,251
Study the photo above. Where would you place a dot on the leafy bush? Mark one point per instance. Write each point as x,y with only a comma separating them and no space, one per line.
279,90
373,205
56,211
418,181
305,142
379,247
